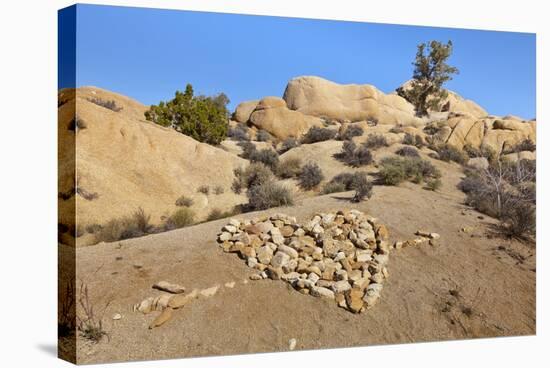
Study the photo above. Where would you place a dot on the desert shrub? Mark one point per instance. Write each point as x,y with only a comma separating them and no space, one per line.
89,323
483,151
408,139
77,124
408,152
205,119
375,141
288,144
347,181
248,149
204,189
253,174
138,224
263,136
289,168
506,191
267,195
396,170
93,228
310,176
362,186
525,145
108,104
449,153
217,214
519,219
353,155
413,140
333,187
316,134
218,189
267,157
350,132
184,201
239,133
433,184
180,218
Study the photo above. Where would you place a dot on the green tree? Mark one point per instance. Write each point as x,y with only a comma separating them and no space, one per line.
431,71
200,117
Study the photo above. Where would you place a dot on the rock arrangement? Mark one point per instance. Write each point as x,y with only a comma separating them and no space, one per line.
340,256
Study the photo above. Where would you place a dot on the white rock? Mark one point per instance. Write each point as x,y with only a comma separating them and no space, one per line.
292,344
209,292
280,259
117,316
341,286
339,256
224,236
322,292
313,277
230,285
234,222
230,228
288,250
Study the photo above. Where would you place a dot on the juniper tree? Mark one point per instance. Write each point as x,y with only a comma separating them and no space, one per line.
200,117
431,71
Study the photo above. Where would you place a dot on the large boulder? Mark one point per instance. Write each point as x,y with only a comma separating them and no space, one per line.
271,114
347,103
243,110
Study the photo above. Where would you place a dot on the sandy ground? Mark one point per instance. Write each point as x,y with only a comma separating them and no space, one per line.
474,284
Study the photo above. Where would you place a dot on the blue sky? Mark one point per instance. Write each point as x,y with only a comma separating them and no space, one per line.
149,53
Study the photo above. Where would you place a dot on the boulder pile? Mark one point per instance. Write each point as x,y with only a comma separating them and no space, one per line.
340,256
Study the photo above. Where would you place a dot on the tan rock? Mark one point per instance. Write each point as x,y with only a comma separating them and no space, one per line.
169,287
243,110
162,318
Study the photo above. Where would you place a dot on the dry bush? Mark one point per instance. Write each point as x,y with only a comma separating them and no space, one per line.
413,140
138,224
184,201
288,144
362,186
239,133
449,153
375,141
316,134
108,104
248,149
333,187
266,156
181,218
263,136
353,155
204,189
525,145
350,132
66,320
408,152
253,174
310,176
396,170
267,195
89,323
506,191
218,189
77,124
289,168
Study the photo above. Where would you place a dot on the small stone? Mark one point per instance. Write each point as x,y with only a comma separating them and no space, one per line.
363,256
341,286
385,272
230,228
287,231
117,316
300,232
224,236
288,250
291,344
355,275
162,318
264,254
291,277
382,232
354,300
178,301
423,233
341,275
347,266
230,285
381,259
377,278
328,273
339,256
252,262
315,270
248,252
435,236
209,292
274,273
256,276
280,259
234,222
341,300
169,287
361,283
398,245
313,277
322,292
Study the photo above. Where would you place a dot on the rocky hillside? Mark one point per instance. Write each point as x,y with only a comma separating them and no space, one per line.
124,162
